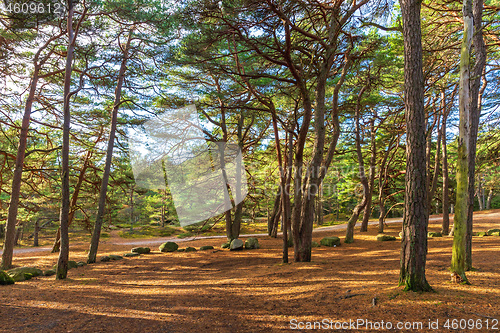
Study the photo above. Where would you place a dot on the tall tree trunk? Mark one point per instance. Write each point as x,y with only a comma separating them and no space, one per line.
368,206
476,91
458,261
349,237
488,201
272,223
10,227
94,243
446,181
416,216
433,183
62,262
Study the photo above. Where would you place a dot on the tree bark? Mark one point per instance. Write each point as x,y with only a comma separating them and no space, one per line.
446,181
10,227
416,216
458,261
349,237
62,262
94,243
488,201
368,206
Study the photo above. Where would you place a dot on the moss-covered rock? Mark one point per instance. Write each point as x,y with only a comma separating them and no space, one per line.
168,247
496,233
24,273
434,234
492,231
181,250
481,234
105,258
81,264
115,257
141,250
5,279
131,254
206,247
315,244
190,249
49,272
252,243
226,245
72,264
330,241
236,244
385,238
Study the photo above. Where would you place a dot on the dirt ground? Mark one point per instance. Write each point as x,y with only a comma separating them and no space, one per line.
251,291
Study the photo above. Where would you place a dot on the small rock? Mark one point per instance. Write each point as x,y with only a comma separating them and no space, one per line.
81,264
315,244
115,257
434,234
168,247
252,243
492,231
206,247
181,250
226,245
105,258
482,234
496,233
385,238
72,264
236,244
141,250
190,249
5,279
330,241
131,254
49,272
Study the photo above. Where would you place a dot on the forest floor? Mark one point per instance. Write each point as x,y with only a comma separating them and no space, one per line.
251,291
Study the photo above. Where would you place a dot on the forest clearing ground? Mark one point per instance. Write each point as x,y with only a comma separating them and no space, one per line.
222,291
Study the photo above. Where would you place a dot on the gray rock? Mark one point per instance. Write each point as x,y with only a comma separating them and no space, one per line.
81,264
131,254
330,241
115,257
206,247
168,247
385,238
252,243
236,244
141,250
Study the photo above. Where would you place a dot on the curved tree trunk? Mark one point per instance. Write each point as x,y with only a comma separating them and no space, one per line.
94,243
